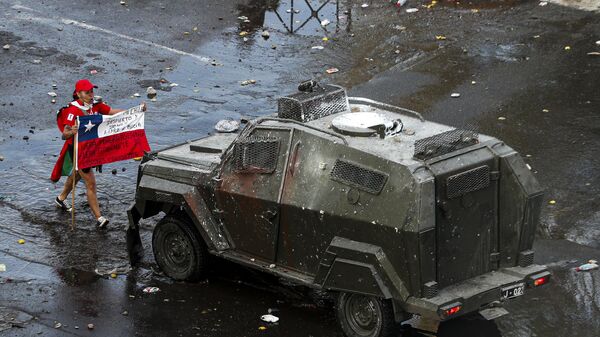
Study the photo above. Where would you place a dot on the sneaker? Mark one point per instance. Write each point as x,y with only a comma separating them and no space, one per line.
62,205
102,222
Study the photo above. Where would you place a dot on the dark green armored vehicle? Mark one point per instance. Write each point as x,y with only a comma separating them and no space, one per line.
391,215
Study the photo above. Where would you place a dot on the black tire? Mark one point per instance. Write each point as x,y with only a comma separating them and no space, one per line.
365,316
178,248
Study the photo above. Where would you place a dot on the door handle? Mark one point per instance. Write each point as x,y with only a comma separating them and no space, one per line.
271,214
294,159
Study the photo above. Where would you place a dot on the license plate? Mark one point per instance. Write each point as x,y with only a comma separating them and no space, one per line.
513,291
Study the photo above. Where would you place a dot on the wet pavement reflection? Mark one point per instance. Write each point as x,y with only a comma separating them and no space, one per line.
506,58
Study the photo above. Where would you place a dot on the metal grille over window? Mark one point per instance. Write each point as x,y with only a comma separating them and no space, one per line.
310,105
360,177
257,155
444,142
468,181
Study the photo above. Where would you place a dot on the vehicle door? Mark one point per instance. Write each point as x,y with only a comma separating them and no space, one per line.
249,191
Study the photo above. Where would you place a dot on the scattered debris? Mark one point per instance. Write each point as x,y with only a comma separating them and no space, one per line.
136,95
269,318
592,264
93,72
1,158
317,47
113,275
272,266
412,10
58,325
244,33
123,3
364,5
528,167
552,202
598,43
325,22
501,118
440,37
325,38
543,3
473,82
398,27
114,171
262,328
227,125
434,2
567,47
173,84
401,3
52,94
186,33
594,53
545,110
53,101
151,290
37,61
2,267
247,82
21,241
332,70
54,85
455,95
125,313
265,34
25,137
90,326
151,92
242,18
6,47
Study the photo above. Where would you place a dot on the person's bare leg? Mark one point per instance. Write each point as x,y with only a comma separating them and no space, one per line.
90,186
68,187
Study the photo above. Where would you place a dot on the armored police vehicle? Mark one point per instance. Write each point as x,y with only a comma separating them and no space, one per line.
390,214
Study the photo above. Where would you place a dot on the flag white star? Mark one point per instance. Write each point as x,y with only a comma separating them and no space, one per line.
89,126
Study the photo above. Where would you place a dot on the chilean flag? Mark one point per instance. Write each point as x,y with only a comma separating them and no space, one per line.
103,139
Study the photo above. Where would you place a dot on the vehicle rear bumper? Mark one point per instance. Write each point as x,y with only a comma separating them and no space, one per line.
476,293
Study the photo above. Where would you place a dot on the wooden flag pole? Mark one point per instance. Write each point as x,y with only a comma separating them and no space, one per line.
74,176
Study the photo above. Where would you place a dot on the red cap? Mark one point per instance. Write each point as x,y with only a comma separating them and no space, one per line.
84,85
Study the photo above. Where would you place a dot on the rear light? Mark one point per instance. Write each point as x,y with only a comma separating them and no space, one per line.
541,281
450,309
453,310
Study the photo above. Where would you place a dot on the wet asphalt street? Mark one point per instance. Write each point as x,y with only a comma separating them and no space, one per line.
522,70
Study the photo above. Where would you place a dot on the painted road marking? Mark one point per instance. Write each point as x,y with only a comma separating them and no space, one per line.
105,31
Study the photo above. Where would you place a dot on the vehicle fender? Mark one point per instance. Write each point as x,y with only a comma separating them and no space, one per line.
155,194
359,267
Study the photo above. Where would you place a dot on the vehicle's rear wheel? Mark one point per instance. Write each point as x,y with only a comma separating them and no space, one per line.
178,248
365,316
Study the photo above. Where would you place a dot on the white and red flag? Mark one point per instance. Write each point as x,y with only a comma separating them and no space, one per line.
103,139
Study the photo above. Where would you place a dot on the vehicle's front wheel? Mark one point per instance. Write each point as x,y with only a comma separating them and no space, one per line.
365,316
178,248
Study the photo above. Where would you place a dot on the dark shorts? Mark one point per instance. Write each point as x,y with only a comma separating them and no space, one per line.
85,170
